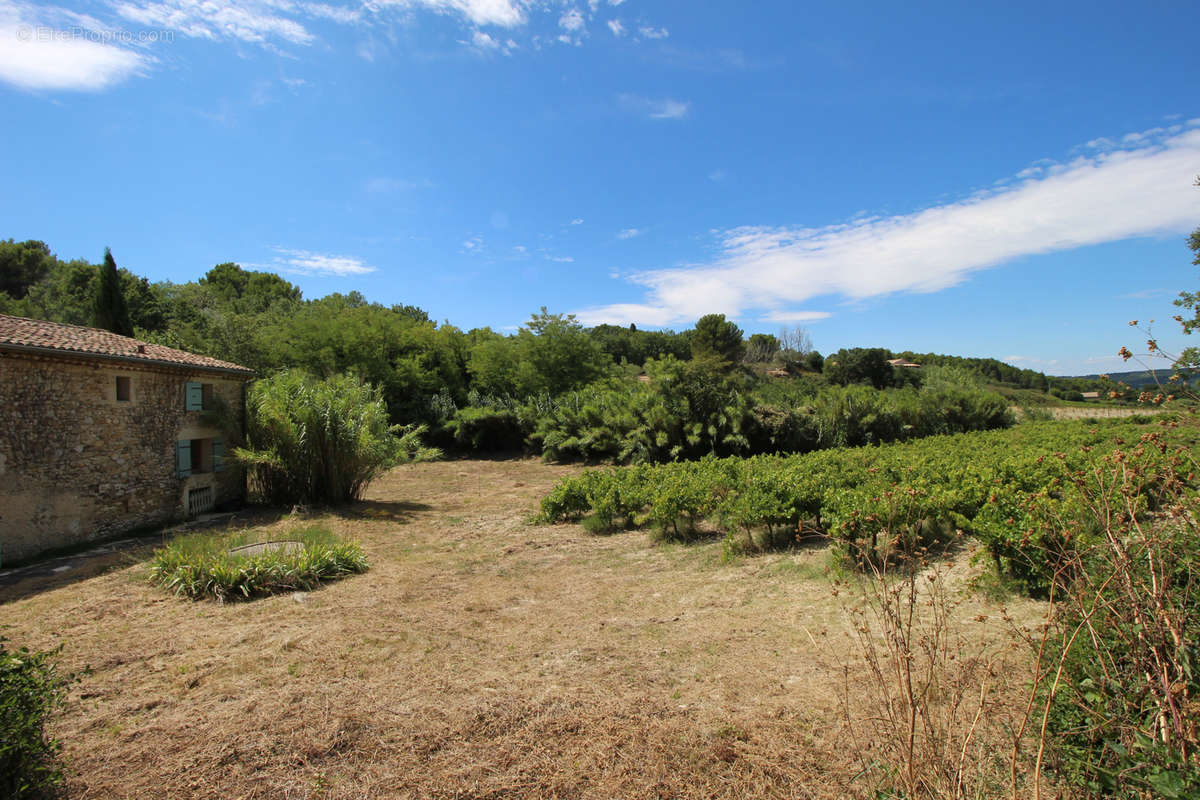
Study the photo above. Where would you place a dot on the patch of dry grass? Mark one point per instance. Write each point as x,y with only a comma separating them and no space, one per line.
479,657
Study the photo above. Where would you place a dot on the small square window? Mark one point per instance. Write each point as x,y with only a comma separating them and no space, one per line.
198,396
123,389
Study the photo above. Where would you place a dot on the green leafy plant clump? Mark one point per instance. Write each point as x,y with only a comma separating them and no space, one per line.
321,441
207,565
30,689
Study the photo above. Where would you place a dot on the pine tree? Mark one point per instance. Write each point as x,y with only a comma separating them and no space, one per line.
112,313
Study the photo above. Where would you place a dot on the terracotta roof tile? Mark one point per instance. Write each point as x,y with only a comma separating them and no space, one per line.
20,333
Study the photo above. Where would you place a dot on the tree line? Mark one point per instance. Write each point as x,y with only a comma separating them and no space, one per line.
547,387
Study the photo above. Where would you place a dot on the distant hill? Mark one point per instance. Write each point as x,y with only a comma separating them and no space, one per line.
1138,379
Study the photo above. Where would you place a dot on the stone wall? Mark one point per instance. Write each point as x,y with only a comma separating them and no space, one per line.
78,465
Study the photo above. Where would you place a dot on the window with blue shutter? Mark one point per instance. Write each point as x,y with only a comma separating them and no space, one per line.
218,454
183,457
194,397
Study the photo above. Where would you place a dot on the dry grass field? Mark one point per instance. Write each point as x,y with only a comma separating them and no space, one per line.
480,657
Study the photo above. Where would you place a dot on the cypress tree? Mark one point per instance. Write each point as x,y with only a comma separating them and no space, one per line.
112,313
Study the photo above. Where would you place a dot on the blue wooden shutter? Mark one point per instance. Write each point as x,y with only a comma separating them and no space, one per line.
195,397
218,451
183,457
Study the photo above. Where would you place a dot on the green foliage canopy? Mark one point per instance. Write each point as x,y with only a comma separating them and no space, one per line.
550,354
715,336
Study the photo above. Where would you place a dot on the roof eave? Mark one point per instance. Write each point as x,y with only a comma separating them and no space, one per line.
243,372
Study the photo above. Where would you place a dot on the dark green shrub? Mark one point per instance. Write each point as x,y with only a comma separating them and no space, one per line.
772,429
201,565
487,429
30,689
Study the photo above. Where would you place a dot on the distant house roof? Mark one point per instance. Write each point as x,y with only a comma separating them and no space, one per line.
1090,395
900,362
19,334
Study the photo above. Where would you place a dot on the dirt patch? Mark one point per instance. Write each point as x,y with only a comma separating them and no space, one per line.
1076,412
479,657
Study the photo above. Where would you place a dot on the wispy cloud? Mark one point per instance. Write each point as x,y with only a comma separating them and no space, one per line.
665,108
577,221
306,262
255,21
572,21
629,233
650,32
1031,362
560,259
1149,294
1138,191
792,317
37,55
501,13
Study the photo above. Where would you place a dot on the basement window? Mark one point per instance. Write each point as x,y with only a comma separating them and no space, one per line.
124,389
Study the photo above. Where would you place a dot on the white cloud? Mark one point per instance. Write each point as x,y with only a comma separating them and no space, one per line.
571,21
625,313
665,108
64,65
502,13
577,221
38,57
670,109
484,41
306,262
44,47
629,233
792,317
561,259
1106,197
650,32
345,16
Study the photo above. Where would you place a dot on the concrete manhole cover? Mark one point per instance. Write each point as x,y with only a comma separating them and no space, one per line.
258,548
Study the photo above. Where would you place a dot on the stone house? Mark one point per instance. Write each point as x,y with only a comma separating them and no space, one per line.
101,434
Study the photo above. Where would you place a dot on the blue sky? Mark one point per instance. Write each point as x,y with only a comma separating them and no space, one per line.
1013,180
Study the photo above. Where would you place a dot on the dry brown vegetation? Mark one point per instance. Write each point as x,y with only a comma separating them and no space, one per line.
479,657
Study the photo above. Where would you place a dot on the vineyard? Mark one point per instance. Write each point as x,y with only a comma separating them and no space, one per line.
1017,491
